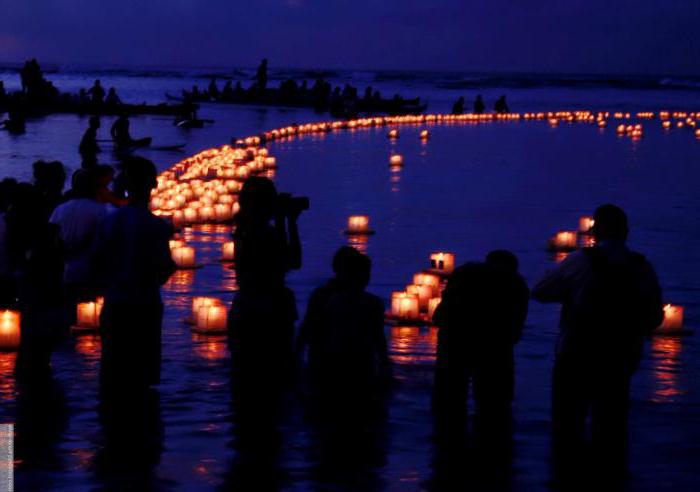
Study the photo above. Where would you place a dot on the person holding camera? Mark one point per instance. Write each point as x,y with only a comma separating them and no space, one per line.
267,246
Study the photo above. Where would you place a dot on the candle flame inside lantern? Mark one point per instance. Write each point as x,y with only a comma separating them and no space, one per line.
673,319
585,224
404,305
183,256
442,262
358,224
10,331
396,160
228,250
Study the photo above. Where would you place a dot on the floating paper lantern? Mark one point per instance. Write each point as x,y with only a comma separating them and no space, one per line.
396,160
211,319
442,263
176,243
424,135
430,279
202,301
88,314
404,306
433,305
227,251
423,292
190,215
394,133
270,162
563,241
585,224
183,256
223,212
673,319
10,330
358,224
207,213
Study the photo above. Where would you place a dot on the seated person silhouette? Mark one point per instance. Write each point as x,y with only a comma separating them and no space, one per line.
480,319
344,330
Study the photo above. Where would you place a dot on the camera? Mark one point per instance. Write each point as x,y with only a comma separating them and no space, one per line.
292,205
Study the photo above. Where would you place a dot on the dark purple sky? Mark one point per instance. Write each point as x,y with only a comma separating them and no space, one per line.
614,36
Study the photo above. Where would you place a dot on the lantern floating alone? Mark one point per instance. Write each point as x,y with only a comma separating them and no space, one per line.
10,330
424,135
585,224
199,302
673,320
358,225
393,133
88,316
211,319
227,251
396,160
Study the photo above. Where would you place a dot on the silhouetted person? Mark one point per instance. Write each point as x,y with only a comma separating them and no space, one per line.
501,106
261,324
479,106
133,260
611,301
16,122
112,98
213,89
227,91
3,93
121,135
458,106
88,144
8,294
344,330
36,261
96,93
261,76
78,220
481,317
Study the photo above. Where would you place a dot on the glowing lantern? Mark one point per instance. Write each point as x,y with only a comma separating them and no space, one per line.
88,314
443,263
602,123
673,319
227,251
206,214
211,319
10,322
428,279
563,241
190,215
585,224
404,306
183,256
270,162
433,305
621,129
396,160
200,301
394,133
424,135
423,292
358,224
223,212
176,243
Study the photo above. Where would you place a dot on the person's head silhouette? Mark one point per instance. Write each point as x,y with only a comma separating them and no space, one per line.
258,200
610,223
84,183
94,122
502,259
49,177
138,177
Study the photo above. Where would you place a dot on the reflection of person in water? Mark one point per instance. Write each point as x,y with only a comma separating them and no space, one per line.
261,326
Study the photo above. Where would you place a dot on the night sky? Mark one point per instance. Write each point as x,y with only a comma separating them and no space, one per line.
580,36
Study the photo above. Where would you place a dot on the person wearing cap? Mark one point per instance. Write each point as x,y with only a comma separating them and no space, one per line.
611,300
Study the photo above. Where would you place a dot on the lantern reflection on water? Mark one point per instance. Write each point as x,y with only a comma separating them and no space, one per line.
666,362
7,379
210,347
10,330
412,345
673,319
442,263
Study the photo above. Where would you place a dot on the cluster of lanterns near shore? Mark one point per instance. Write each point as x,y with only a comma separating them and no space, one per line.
416,304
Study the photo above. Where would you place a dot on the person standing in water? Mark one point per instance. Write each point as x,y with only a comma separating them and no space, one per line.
88,145
261,323
261,76
611,301
479,106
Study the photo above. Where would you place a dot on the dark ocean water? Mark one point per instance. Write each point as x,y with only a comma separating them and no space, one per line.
469,189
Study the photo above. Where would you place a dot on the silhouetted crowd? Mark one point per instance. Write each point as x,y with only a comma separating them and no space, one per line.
99,238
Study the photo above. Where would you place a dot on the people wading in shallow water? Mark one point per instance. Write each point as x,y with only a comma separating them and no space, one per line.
611,301
88,145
